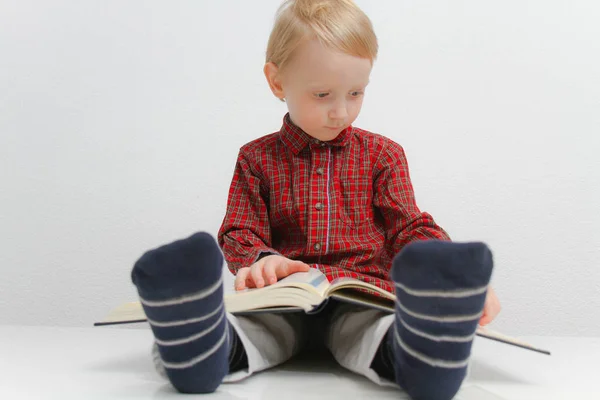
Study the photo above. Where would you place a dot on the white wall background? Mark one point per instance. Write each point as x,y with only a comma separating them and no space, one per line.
120,122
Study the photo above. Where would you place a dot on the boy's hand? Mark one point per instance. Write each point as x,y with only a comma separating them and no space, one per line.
267,271
491,308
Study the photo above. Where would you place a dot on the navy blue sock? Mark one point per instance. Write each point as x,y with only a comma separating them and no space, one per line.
441,289
181,290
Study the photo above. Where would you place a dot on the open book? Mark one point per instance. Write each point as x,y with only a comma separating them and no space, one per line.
302,291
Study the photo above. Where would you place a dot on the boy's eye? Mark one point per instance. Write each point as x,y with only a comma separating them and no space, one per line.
322,95
356,93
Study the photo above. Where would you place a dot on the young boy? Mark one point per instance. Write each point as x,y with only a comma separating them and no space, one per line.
320,193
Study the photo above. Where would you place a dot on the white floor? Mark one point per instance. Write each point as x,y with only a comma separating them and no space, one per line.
114,363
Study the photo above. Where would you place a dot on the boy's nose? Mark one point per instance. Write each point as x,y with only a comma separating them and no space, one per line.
338,112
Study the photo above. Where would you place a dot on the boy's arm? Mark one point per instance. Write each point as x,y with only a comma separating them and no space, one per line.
395,199
245,234
404,222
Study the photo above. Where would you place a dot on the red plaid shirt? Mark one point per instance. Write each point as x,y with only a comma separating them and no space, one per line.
345,206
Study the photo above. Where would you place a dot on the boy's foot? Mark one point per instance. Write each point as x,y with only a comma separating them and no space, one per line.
181,290
441,289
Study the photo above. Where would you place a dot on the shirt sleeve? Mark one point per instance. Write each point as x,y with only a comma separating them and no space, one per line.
394,197
245,233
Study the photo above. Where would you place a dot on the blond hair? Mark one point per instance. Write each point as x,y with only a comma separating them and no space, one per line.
338,24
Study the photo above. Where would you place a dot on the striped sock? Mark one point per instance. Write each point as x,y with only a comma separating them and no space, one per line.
181,290
441,289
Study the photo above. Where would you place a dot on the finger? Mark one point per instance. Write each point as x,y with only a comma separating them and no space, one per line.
256,273
492,306
297,266
490,311
485,319
240,278
304,266
288,267
250,282
269,273
495,309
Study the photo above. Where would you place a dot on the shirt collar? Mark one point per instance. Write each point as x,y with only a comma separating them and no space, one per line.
296,139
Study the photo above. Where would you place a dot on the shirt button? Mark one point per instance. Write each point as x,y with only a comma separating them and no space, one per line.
320,170
317,246
319,206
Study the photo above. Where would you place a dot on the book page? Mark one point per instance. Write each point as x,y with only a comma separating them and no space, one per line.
489,334
125,313
350,283
285,296
364,299
313,280
301,289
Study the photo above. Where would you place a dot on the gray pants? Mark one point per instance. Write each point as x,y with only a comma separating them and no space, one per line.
352,334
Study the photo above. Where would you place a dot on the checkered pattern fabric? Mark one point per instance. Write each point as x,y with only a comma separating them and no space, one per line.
346,206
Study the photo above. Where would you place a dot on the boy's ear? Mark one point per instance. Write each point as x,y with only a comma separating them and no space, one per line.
274,78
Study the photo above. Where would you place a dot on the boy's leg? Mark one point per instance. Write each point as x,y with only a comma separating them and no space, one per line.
353,339
198,345
262,341
181,290
425,346
268,340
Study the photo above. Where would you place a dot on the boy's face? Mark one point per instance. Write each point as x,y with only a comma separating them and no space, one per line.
323,89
